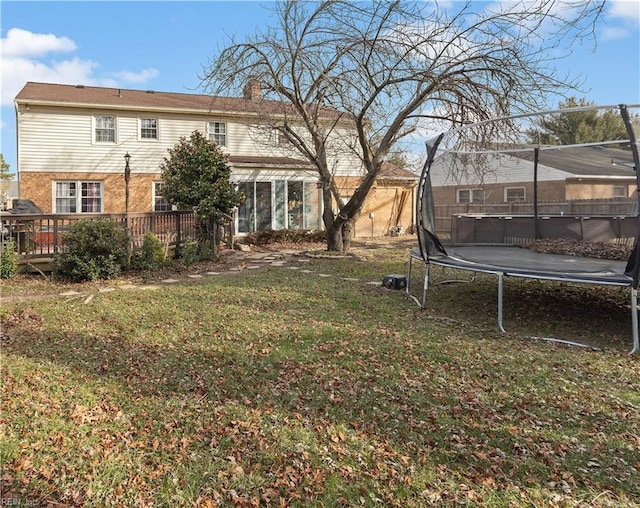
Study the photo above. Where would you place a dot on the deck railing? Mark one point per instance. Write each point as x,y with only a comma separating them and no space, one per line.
40,235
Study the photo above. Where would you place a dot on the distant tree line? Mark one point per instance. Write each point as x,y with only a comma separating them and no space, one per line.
577,127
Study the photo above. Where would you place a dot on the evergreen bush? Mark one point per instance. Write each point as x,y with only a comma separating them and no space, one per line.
190,252
152,254
92,250
8,260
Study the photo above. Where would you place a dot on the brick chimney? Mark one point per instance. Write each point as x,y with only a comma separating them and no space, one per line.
252,90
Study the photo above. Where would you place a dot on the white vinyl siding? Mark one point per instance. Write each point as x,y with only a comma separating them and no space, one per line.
73,149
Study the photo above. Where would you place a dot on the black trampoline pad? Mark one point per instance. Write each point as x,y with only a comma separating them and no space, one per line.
522,262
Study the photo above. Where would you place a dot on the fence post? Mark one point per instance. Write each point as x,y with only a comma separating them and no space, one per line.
55,235
178,234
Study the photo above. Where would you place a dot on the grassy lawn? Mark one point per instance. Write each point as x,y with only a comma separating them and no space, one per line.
279,387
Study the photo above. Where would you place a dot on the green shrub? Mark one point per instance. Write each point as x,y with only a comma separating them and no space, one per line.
190,252
8,260
92,250
151,256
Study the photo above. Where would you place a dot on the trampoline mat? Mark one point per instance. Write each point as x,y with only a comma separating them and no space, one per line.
521,262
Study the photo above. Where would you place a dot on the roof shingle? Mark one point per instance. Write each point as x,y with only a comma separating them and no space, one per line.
122,98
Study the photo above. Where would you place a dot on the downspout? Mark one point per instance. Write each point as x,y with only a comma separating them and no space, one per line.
15,105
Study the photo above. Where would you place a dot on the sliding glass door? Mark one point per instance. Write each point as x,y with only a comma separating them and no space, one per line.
281,204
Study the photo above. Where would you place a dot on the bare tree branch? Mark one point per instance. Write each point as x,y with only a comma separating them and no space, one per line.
383,70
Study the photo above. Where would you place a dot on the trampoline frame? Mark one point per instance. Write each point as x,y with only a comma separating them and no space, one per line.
430,250
501,273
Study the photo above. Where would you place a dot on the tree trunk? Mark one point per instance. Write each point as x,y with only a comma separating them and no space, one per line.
347,234
339,236
334,237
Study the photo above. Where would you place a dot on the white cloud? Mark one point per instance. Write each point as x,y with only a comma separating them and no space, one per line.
622,19
625,9
612,33
137,77
27,56
22,43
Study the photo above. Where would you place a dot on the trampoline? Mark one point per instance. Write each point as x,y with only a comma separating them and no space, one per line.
510,260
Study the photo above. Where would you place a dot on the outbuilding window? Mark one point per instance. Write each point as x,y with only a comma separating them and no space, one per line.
470,196
515,195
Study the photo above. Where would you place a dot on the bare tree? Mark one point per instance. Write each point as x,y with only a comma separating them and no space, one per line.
386,69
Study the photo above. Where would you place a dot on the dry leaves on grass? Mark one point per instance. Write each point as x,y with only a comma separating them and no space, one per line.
599,250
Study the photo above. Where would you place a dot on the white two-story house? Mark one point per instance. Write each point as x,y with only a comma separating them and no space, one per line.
71,143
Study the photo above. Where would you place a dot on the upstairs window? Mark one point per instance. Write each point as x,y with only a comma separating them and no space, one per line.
78,197
105,128
470,196
282,139
148,128
218,133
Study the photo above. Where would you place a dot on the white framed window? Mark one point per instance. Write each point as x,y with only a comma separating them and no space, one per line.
78,197
470,196
105,128
218,133
159,203
282,140
515,195
149,128
620,191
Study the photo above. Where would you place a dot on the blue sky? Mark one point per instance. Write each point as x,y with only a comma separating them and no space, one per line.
164,45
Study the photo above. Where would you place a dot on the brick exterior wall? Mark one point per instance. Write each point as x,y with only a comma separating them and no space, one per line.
388,200
598,189
38,187
494,193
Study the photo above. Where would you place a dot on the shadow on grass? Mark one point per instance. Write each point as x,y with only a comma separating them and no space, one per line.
362,371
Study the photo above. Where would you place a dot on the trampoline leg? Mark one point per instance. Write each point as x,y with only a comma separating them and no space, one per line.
426,285
409,265
422,303
634,321
500,283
